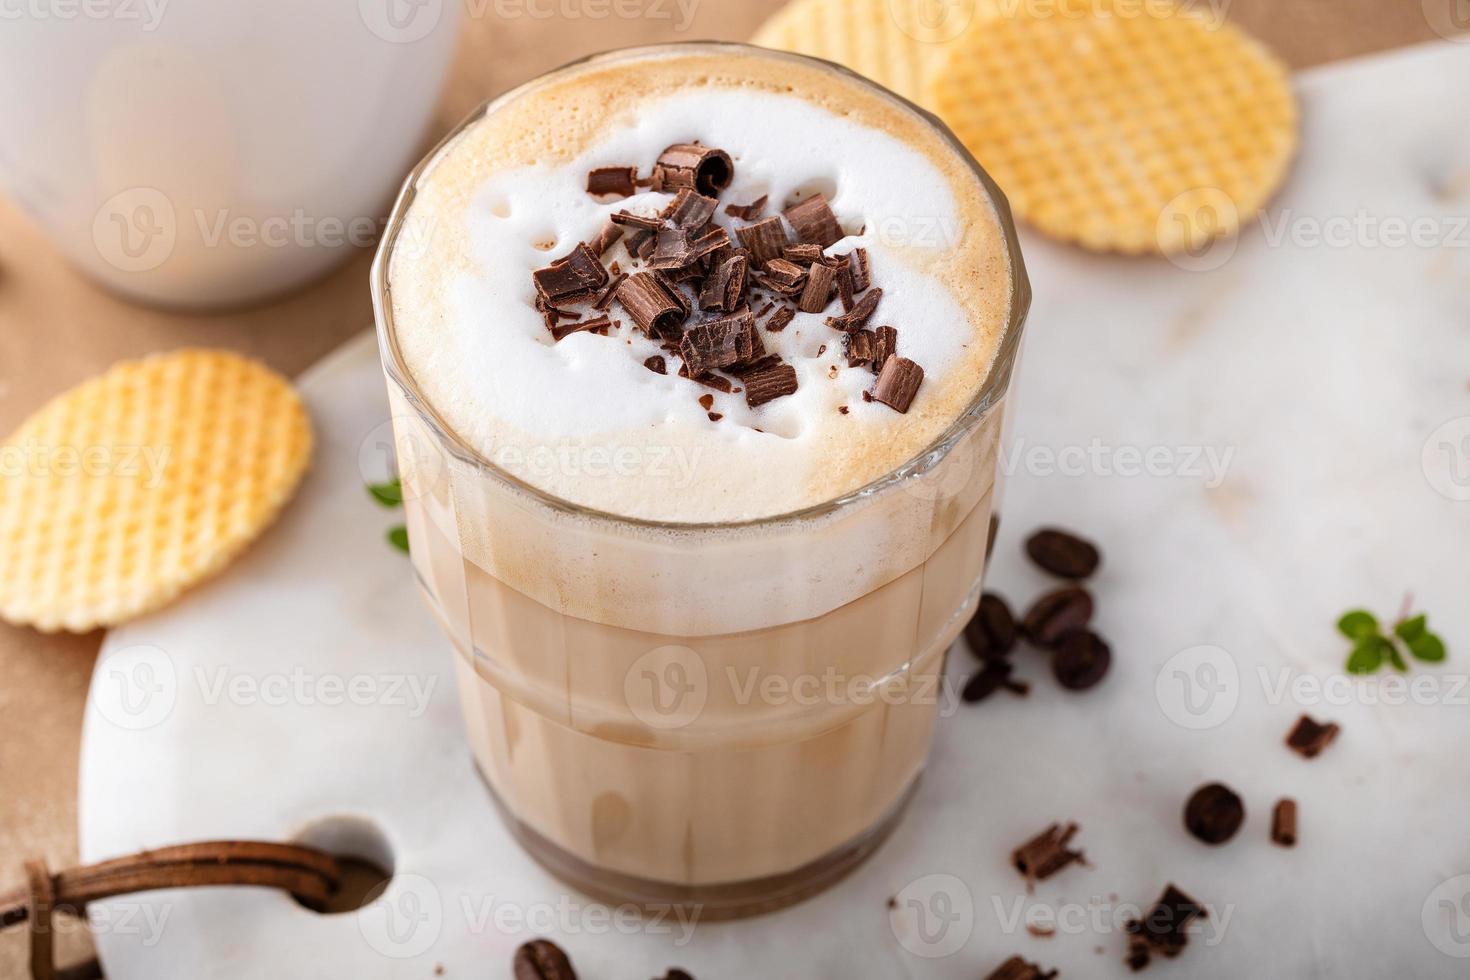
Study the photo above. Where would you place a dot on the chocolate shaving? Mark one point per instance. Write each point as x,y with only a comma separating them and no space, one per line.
690,210
897,383
647,242
714,416
710,243
725,288
775,380
1164,930
643,221
779,286
862,347
1047,853
621,181
765,240
607,238
709,379
802,254
657,364
844,286
814,221
885,345
862,276
579,272
653,309
598,325
1016,968
721,343
1283,823
784,273
818,291
700,168
859,315
707,402
747,212
779,320
1308,738
672,251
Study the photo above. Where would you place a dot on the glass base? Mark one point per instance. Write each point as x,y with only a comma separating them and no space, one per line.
704,903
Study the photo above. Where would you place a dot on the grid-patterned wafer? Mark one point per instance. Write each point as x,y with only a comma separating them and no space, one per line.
129,488
1121,126
897,43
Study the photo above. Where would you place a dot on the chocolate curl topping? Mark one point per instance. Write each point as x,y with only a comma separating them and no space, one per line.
598,325
645,222
885,345
655,312
747,212
725,289
721,343
818,291
897,383
699,168
862,275
621,181
580,272
690,210
765,239
778,321
859,315
775,380
862,347
607,238
814,221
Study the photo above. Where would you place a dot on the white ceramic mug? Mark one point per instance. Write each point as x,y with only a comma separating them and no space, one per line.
203,153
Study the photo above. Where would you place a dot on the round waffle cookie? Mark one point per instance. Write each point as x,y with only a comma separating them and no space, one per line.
896,43
1121,125
135,485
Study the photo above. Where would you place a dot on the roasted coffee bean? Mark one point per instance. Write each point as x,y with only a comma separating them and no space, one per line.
1064,555
992,630
1056,614
677,974
1081,660
542,959
996,675
1214,813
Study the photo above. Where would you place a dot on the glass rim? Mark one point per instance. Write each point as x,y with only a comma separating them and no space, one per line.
996,384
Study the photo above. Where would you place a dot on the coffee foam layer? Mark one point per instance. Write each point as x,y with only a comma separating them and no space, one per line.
583,419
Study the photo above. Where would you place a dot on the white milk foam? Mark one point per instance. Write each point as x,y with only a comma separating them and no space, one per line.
585,420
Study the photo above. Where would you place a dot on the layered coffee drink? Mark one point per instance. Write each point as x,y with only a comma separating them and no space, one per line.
697,357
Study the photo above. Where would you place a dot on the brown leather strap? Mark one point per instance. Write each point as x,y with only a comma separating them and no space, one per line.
310,875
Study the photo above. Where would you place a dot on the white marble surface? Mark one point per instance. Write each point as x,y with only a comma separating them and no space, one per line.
1316,374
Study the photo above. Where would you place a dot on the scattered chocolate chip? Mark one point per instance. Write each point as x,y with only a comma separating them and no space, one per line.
1308,738
709,379
843,409
672,250
598,325
621,181
747,212
784,272
724,290
715,416
657,364
991,678
844,287
1016,968
769,383
710,243
579,272
818,292
862,276
992,630
861,347
898,382
1047,853
1214,813
707,402
653,309
765,239
1283,823
607,238
701,168
690,210
859,315
721,343
885,345
542,959
1081,660
814,222
1164,930
803,254
641,221
778,321
605,298
1055,614
1063,554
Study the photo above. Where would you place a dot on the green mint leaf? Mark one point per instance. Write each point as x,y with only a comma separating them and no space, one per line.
1358,625
1396,658
1427,647
388,494
398,538
1367,656
1410,629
